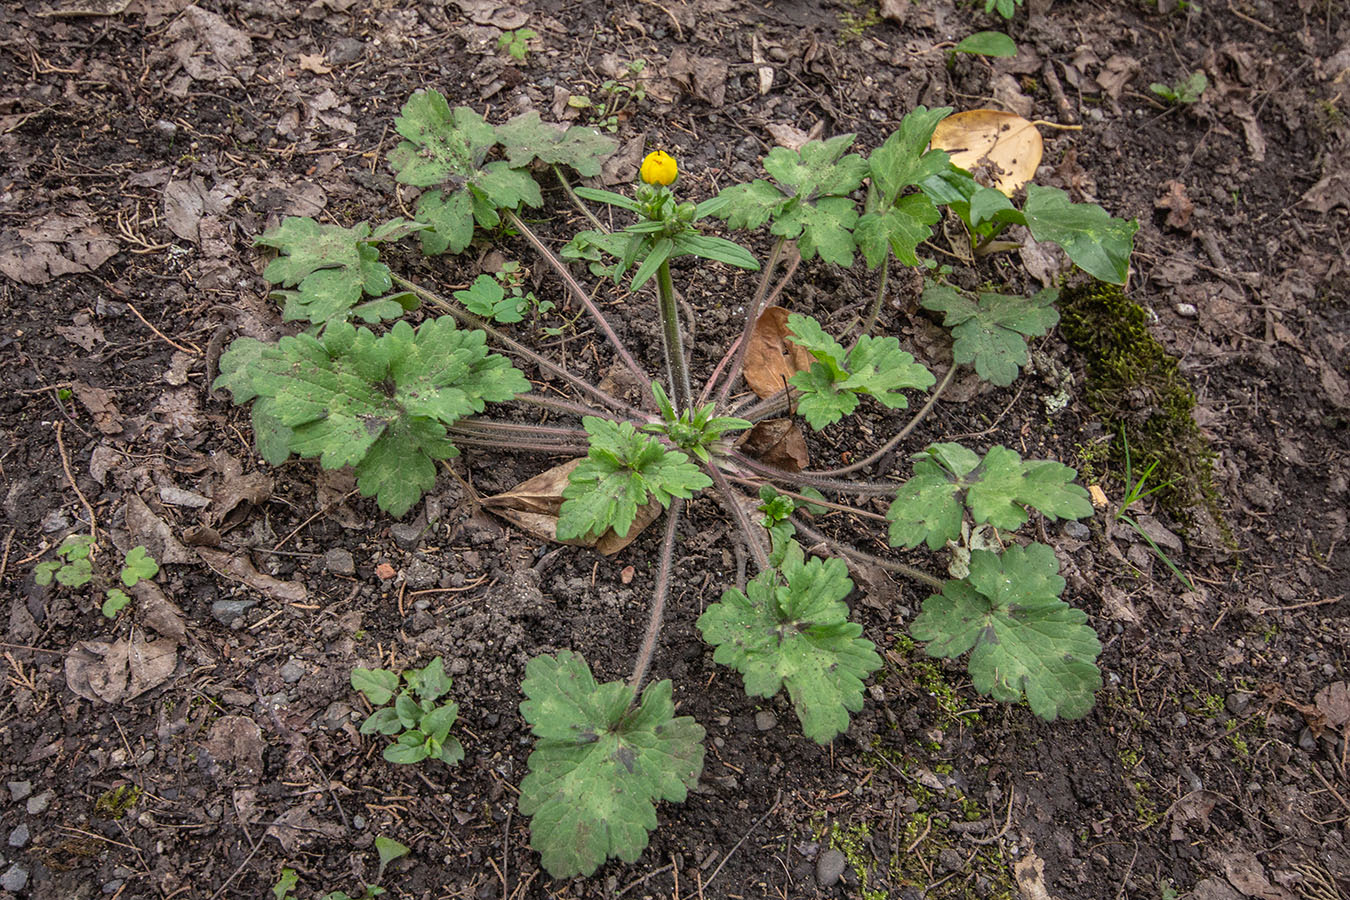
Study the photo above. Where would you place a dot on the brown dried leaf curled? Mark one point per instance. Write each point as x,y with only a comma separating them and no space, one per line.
770,358
1005,148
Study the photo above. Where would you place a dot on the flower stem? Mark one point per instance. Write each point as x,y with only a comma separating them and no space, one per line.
875,309
753,538
900,436
580,294
751,318
661,590
576,201
773,473
677,368
863,556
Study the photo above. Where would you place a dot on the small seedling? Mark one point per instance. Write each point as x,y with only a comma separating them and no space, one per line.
1136,491
1006,8
516,43
502,298
421,725
389,850
1182,93
76,568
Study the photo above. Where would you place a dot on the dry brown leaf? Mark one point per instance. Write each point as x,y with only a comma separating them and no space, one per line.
1179,206
777,442
1004,147
703,76
148,529
1333,702
1030,874
297,827
239,568
101,405
155,609
55,245
122,670
770,358
236,740
1117,73
533,505
313,62
236,496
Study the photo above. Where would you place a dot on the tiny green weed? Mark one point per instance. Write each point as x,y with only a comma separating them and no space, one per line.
420,725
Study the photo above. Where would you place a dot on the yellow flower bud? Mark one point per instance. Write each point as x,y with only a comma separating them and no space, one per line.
659,168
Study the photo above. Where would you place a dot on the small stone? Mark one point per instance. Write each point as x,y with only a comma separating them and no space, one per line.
407,534
19,836
346,50
1307,741
166,129
19,790
38,805
422,574
112,887
830,866
1180,720
292,671
1187,310
15,878
339,562
765,720
1237,702
949,860
359,822
226,612
1075,530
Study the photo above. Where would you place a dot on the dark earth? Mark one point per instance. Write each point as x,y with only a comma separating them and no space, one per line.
144,144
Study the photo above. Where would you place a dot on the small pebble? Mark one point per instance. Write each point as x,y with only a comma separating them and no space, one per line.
765,720
1075,530
407,534
1307,741
19,836
112,887
358,822
226,612
1187,310
339,562
19,790
38,805
829,866
15,878
292,671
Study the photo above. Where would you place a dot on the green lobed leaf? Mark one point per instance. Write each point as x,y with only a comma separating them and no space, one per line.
138,566
1004,484
487,298
381,404
927,508
748,205
440,145
1025,640
830,388
332,266
429,682
818,169
598,767
904,159
524,138
821,228
623,470
992,332
997,489
790,629
76,573
1098,243
899,229
116,601
389,850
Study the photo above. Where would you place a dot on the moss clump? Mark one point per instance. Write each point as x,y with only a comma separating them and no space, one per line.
1140,394
114,804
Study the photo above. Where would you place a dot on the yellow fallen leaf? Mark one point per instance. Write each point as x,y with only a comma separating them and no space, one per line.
1004,146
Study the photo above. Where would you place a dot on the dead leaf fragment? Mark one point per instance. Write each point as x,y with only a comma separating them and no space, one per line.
703,76
313,62
1030,874
156,610
147,528
777,442
297,827
208,47
101,406
770,358
1002,147
236,740
239,568
533,506
1179,206
55,245
1333,702
1117,73
122,670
